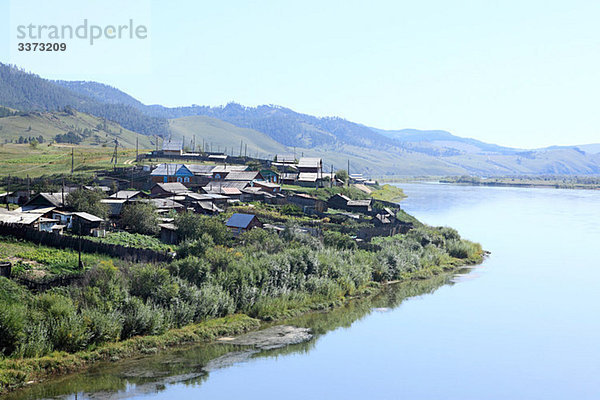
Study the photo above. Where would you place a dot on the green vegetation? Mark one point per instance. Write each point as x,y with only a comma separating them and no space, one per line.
135,240
140,218
33,261
389,193
88,201
22,160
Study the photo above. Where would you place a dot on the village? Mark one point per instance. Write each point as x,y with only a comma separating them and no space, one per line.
246,193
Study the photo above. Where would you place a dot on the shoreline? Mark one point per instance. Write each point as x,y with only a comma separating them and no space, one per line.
16,374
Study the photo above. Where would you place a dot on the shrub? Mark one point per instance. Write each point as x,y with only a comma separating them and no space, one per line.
140,318
193,269
12,326
140,218
338,240
154,283
102,326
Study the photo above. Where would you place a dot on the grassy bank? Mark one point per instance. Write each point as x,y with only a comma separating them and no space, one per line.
261,274
15,373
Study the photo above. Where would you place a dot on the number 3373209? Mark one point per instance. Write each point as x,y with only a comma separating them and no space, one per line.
42,46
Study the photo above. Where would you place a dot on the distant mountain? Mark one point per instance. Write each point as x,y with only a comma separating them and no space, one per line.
444,139
28,92
269,129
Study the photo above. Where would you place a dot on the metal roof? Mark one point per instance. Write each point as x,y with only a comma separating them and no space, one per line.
172,145
88,217
309,162
239,220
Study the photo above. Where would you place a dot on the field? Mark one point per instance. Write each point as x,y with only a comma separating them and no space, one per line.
22,159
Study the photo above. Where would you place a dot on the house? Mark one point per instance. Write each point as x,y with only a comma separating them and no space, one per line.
129,195
338,201
115,206
18,218
221,171
166,173
172,147
217,157
168,189
85,224
270,176
308,179
168,233
363,206
288,178
45,200
17,197
165,205
285,159
310,164
268,187
248,176
239,223
308,203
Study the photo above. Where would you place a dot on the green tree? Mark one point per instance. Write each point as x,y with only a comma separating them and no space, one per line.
84,200
342,175
191,227
140,218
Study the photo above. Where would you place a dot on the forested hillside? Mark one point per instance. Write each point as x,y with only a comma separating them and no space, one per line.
28,92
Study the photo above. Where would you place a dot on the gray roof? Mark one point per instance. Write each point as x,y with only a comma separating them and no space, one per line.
359,203
166,169
239,220
173,187
309,162
242,175
172,145
124,194
227,184
165,203
88,217
308,177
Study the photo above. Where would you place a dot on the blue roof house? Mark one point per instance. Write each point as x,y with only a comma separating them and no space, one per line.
239,223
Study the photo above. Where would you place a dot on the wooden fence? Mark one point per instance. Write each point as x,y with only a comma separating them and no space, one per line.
87,246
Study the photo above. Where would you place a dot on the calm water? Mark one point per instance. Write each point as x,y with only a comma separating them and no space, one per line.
525,325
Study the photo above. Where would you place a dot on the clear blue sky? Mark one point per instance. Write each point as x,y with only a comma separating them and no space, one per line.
520,73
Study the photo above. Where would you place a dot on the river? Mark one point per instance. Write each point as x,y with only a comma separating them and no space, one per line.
524,325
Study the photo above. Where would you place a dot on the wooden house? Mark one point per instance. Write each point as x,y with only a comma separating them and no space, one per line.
239,223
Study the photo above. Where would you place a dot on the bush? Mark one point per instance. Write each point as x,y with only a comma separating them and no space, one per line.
12,326
338,240
154,283
140,218
140,318
192,269
102,326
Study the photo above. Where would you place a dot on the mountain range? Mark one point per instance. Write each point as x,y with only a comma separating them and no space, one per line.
268,129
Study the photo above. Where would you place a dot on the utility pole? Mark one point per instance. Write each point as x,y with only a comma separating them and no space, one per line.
63,191
331,177
72,160
246,150
241,144
137,153
28,188
8,189
348,183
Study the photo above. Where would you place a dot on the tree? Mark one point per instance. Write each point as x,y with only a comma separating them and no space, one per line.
84,200
33,143
191,227
140,218
342,175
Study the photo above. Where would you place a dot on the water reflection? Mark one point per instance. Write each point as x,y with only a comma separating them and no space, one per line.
191,366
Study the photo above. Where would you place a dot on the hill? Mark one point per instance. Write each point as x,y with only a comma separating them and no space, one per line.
28,92
88,129
269,129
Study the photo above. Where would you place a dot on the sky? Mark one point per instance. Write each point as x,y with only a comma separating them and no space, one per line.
517,73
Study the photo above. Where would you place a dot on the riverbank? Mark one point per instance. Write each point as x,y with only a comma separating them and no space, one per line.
17,373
